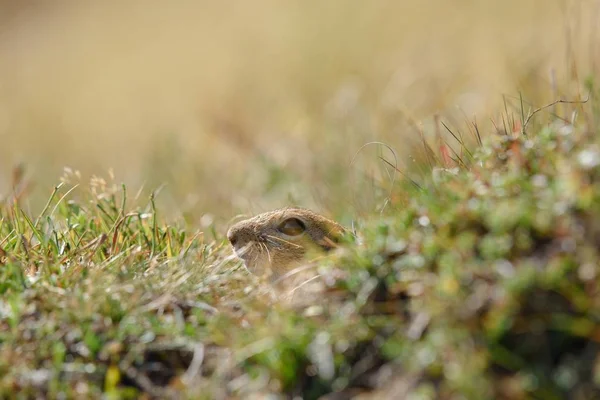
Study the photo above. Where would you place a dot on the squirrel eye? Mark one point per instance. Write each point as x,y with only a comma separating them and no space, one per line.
291,227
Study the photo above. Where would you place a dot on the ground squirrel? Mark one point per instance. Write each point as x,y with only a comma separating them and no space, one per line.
273,242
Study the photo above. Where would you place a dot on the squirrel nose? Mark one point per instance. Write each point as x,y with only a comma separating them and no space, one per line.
232,237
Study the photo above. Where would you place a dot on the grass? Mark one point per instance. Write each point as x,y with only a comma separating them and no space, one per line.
478,280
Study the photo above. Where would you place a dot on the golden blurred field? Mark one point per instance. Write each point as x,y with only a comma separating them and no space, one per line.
246,106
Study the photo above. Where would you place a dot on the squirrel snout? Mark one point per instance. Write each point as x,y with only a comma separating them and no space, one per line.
232,236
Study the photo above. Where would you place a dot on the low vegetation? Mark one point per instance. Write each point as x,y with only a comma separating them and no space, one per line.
480,281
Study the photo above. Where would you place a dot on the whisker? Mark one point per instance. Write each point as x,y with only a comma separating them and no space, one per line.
268,253
267,250
283,240
272,241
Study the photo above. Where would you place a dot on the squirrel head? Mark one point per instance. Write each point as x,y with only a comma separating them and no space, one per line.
274,241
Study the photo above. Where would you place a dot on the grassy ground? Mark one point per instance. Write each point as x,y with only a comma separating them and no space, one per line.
477,272
479,280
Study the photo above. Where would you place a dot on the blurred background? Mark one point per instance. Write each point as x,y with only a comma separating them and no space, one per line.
240,107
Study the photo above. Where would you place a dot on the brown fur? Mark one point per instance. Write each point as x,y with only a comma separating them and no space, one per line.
265,249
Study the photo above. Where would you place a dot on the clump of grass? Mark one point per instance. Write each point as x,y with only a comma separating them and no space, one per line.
91,287
480,282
